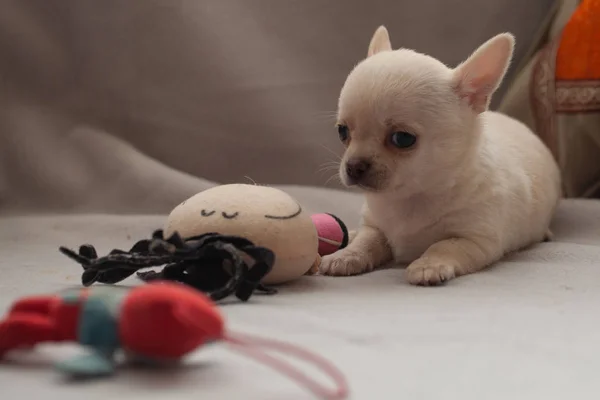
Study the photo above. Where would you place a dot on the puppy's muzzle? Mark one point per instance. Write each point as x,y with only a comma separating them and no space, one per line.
357,170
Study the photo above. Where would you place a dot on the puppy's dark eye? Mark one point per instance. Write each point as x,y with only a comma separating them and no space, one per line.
343,132
403,140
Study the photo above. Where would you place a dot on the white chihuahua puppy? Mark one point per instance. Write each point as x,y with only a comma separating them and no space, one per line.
450,187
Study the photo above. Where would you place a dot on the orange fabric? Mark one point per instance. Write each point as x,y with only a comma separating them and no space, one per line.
578,56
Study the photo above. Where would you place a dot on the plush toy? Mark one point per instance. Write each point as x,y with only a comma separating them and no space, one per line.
268,217
228,240
159,322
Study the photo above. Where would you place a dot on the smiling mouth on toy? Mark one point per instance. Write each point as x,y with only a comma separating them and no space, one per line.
286,216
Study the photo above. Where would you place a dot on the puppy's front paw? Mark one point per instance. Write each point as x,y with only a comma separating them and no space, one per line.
343,263
430,272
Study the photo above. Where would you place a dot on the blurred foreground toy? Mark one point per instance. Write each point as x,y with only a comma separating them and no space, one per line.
229,239
159,322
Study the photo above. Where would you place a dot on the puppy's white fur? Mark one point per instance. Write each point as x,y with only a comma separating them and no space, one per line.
475,186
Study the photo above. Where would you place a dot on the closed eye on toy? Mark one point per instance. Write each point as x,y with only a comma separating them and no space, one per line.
286,216
225,215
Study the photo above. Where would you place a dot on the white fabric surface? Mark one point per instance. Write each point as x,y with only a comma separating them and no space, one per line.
525,329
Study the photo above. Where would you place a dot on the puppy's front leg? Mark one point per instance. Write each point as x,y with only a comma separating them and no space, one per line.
367,250
450,258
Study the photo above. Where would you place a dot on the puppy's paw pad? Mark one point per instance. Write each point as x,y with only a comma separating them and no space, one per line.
424,272
342,264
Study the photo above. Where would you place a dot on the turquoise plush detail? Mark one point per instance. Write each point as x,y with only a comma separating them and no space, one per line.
71,296
98,329
98,326
93,364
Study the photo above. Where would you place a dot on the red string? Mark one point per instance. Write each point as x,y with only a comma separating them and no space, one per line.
248,344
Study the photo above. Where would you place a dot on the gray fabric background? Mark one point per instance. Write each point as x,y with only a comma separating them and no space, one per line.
106,104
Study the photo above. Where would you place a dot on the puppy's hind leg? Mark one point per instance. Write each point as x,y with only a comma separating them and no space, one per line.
367,250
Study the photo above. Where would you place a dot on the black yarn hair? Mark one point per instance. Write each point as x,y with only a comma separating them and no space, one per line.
218,265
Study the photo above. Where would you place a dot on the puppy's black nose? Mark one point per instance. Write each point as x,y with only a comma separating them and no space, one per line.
356,169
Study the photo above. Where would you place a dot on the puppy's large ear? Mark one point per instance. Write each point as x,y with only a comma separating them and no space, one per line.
476,79
380,41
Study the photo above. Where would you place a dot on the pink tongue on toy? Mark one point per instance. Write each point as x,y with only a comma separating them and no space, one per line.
331,234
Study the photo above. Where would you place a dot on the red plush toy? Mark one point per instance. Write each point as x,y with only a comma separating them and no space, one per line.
157,322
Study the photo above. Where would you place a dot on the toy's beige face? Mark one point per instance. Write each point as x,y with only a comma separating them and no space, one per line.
266,216
236,208
228,208
255,212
